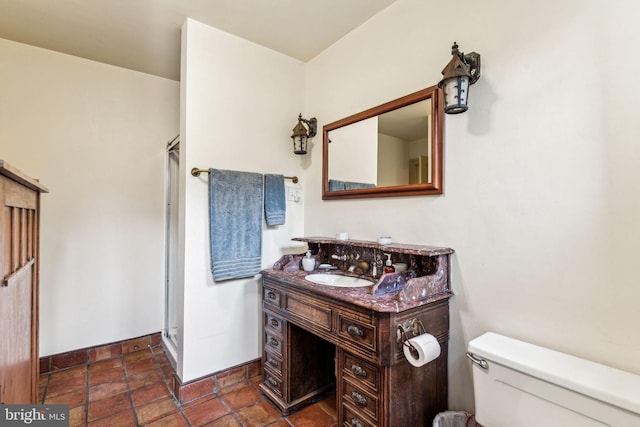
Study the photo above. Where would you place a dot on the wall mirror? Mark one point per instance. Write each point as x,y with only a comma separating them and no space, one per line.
394,149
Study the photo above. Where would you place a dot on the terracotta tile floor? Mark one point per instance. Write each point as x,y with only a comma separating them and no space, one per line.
132,390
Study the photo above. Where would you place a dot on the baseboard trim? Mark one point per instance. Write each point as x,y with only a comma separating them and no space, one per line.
250,371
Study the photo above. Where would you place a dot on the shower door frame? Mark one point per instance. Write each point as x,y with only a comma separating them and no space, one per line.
172,188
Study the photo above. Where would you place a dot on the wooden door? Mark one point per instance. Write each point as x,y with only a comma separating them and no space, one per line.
18,293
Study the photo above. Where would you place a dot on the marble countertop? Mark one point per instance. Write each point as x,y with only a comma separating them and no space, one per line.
360,296
404,248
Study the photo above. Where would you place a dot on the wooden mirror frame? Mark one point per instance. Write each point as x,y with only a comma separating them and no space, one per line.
437,149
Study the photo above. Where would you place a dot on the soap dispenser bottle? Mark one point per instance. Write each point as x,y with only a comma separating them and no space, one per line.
388,265
308,262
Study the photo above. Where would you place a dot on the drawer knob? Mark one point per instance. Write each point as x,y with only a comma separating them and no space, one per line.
272,381
356,423
271,295
358,398
271,361
273,342
274,322
358,370
355,331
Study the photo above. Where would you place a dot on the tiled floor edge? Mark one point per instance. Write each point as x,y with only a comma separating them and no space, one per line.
209,384
71,359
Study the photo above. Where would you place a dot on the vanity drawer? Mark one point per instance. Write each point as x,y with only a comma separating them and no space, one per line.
271,296
273,344
273,323
311,311
353,419
273,382
360,333
361,401
361,372
273,361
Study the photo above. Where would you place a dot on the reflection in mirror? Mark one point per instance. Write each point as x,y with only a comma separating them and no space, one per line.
404,143
394,149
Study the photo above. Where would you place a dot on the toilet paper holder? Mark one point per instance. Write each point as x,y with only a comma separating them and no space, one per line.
415,327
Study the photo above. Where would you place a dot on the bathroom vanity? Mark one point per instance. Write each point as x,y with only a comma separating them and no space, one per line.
318,338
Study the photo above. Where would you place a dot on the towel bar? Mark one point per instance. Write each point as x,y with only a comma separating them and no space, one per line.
197,172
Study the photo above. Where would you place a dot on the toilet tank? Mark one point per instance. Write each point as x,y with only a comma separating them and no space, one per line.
524,385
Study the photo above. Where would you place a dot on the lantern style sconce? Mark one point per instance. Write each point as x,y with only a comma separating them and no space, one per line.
461,72
301,134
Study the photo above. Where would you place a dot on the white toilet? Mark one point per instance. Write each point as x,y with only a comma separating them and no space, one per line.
518,384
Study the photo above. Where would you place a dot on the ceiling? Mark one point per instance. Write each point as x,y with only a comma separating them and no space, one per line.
144,35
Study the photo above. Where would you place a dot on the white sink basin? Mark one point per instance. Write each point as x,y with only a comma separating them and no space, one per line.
338,280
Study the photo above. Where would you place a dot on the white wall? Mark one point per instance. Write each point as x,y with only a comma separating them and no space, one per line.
353,154
240,102
95,135
541,174
392,160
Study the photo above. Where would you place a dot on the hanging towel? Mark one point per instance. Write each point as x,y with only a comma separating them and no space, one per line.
235,223
335,185
275,205
357,185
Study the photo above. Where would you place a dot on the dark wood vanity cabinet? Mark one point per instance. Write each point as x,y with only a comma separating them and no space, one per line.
298,366
313,343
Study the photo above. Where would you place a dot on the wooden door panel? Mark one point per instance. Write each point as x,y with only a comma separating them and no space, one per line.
18,293
17,333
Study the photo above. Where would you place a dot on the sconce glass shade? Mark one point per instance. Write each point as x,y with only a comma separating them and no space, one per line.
456,92
301,136
300,144
461,72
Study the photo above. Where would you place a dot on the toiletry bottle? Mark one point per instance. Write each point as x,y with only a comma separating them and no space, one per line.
388,265
308,262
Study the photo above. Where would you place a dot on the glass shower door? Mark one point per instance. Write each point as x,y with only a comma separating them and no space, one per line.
170,331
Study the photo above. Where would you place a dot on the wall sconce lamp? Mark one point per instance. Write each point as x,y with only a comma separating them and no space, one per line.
301,134
461,72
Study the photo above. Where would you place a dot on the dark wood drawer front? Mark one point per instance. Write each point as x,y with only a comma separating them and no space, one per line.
273,344
316,314
352,419
273,382
357,332
361,372
273,323
361,401
273,361
271,296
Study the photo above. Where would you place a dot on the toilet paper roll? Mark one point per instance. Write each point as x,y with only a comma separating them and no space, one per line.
427,349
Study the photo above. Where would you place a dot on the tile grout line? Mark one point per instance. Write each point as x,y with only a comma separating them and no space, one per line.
219,397
46,388
264,399
129,394
86,390
327,412
173,396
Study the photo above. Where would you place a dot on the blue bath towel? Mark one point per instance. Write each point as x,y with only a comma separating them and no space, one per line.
275,204
336,185
235,223
357,185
